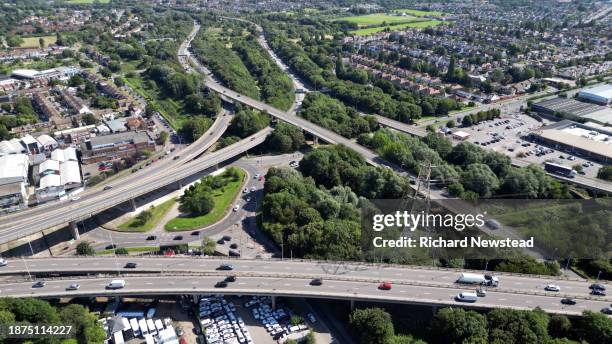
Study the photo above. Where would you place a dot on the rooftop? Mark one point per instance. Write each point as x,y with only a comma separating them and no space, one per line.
604,91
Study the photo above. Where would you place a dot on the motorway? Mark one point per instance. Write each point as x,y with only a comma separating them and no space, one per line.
291,278
146,182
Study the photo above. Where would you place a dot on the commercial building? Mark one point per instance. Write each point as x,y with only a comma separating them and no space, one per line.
116,146
13,182
61,73
574,110
599,95
58,175
592,142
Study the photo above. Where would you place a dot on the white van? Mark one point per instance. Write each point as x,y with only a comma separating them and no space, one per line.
144,330
116,284
151,326
467,297
135,327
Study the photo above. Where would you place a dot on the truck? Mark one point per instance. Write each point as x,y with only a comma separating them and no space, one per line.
470,278
116,284
559,169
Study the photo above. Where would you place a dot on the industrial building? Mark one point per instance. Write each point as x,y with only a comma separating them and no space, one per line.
592,142
13,182
116,146
574,110
61,73
599,95
58,175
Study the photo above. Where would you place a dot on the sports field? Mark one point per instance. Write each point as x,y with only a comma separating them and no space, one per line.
377,19
419,13
371,30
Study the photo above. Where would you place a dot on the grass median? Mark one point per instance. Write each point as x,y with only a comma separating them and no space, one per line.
130,250
135,224
223,197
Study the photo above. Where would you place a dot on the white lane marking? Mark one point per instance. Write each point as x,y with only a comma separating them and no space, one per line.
287,284
426,293
148,283
502,299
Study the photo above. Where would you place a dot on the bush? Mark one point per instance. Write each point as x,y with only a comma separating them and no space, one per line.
85,249
122,251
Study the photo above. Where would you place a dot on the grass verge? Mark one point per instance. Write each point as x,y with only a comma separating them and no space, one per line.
157,213
223,198
130,249
371,30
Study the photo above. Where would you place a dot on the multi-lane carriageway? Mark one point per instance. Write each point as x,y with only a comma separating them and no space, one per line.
341,280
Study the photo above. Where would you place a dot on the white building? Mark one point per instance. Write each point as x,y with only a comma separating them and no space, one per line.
58,175
600,95
47,142
13,182
12,146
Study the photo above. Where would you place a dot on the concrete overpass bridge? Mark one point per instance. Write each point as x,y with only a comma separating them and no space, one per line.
124,190
341,280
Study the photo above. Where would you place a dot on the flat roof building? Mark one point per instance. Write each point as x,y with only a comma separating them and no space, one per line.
599,95
578,139
116,146
13,182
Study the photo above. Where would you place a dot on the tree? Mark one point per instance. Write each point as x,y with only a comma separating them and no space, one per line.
595,328
143,217
480,179
208,246
194,127
163,137
451,72
4,133
372,325
41,42
559,326
105,72
89,119
122,251
605,172
456,325
197,199
86,326
85,249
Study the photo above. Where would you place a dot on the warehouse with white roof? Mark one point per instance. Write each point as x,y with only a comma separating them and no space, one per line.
600,94
13,182
58,175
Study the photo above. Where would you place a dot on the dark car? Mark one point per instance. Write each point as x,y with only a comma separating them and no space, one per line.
607,310
178,237
108,187
225,267
195,233
221,284
597,286
316,281
598,292
234,246
151,237
227,238
131,265
39,284
234,253
568,301
110,247
220,241
230,278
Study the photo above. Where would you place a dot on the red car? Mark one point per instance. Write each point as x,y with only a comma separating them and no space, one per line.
385,286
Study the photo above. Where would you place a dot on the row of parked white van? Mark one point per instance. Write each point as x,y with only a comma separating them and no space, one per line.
222,326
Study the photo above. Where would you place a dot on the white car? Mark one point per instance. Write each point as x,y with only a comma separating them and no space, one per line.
552,287
75,198
257,176
3,262
236,207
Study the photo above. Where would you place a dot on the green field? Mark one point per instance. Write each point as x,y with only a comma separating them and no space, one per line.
158,213
223,197
32,42
371,30
376,19
419,13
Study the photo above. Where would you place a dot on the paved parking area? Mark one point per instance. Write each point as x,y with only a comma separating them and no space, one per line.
504,135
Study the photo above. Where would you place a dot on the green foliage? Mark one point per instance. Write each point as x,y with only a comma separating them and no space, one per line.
122,251
142,218
372,326
247,122
89,119
518,326
456,325
475,118
559,326
595,328
197,199
285,138
208,246
480,179
195,127
85,249
207,105
172,83
333,115
225,63
276,88
605,173
163,137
